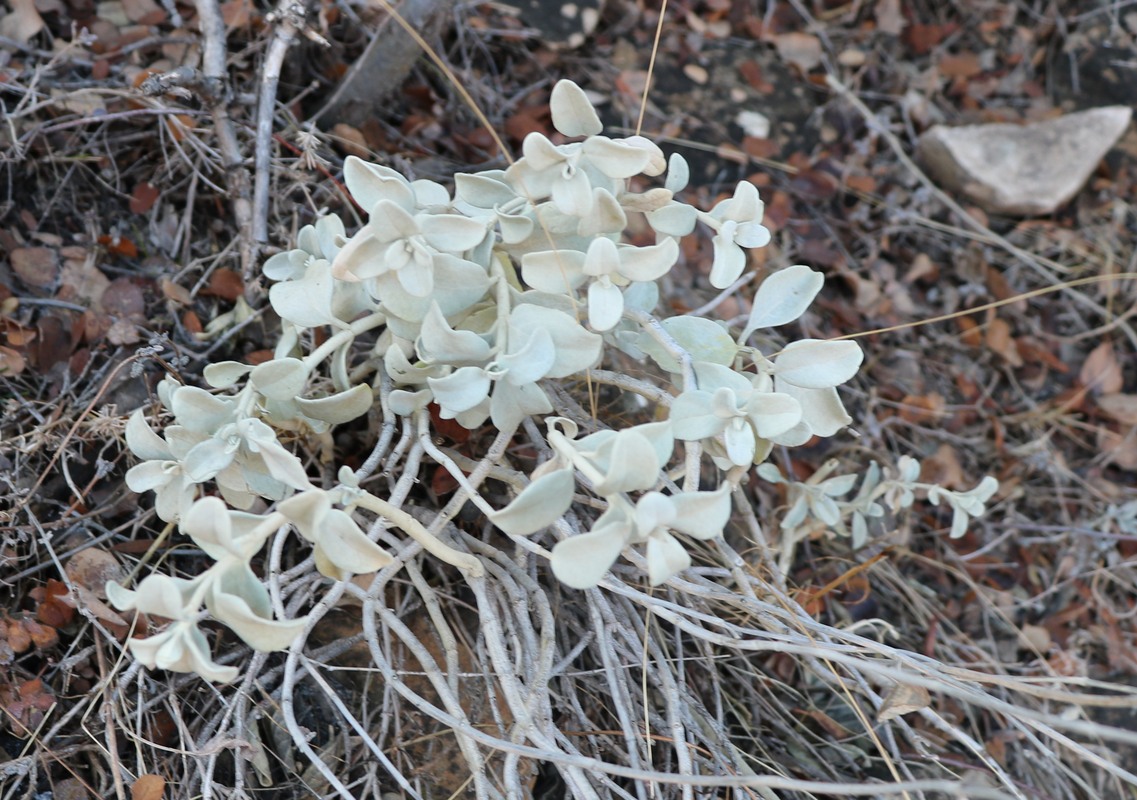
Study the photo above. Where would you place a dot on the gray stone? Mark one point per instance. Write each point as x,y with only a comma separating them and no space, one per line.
1022,169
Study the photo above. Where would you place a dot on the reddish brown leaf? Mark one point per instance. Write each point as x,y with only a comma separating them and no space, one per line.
19,639
42,636
192,322
226,284
53,603
119,245
143,197
963,65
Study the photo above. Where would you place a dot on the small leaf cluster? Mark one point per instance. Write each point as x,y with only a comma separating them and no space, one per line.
822,501
484,307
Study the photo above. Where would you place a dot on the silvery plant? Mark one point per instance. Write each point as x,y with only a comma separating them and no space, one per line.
494,304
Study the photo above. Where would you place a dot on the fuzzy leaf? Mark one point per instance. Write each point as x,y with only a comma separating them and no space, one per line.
702,514
281,379
580,562
572,111
259,633
338,408
143,442
539,504
345,545
224,374
198,410
817,363
666,557
782,298
704,339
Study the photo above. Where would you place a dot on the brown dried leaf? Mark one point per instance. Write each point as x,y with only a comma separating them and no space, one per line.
350,140
148,787
889,17
1118,449
54,605
42,636
1122,407
802,50
19,639
963,65
237,13
903,699
146,12
143,197
23,22
82,281
36,266
123,298
92,568
70,789
123,332
999,340
1101,373
226,284
11,362
176,292
922,408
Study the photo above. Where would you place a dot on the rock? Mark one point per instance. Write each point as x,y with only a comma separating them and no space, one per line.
1022,169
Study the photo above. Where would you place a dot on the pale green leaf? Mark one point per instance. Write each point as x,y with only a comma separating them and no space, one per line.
783,297
572,111
338,408
539,504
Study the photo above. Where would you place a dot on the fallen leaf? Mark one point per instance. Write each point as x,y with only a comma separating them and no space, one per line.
123,298
54,605
176,292
943,469
123,332
802,50
1118,449
82,281
889,18
226,284
23,22
236,13
830,725
999,340
901,699
1122,407
963,65
922,408
148,787
91,568
1101,373
118,245
143,197
146,12
70,789
11,362
350,140
1035,637
25,705
36,266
